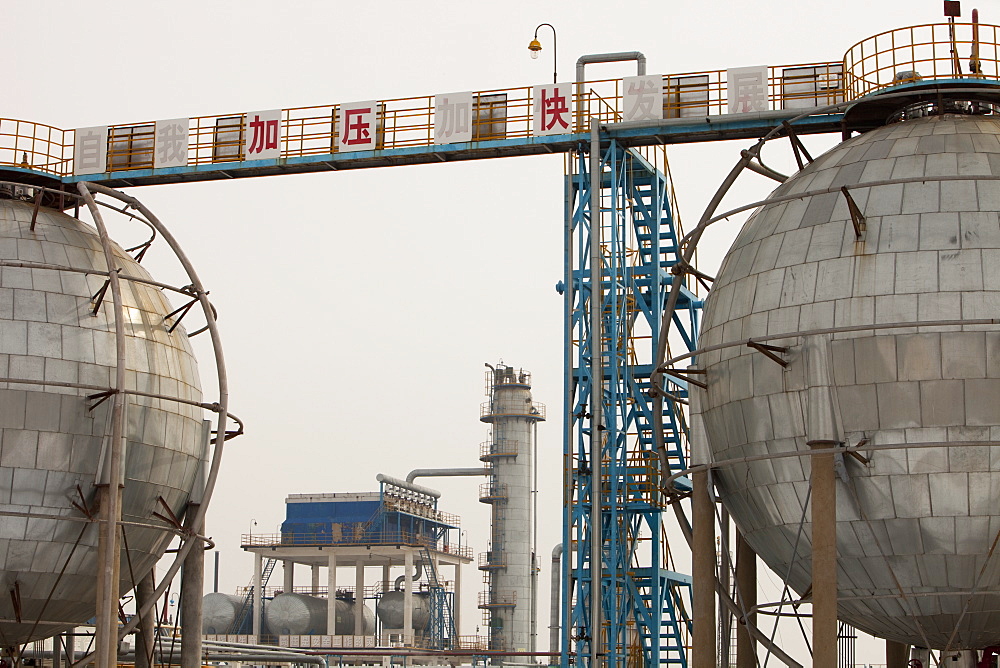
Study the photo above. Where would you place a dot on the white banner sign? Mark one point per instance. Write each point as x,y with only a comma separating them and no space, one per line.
551,110
90,150
746,89
263,135
642,98
357,126
452,118
171,147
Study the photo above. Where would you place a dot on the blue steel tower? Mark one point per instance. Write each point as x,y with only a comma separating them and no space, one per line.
621,241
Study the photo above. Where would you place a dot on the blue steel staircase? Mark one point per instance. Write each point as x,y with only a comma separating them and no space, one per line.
441,627
241,616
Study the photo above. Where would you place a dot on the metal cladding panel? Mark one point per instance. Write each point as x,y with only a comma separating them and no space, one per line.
51,444
915,525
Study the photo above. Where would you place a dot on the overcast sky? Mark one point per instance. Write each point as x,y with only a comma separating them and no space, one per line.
358,308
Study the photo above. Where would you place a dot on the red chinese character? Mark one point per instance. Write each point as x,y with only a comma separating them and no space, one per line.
553,109
357,126
265,134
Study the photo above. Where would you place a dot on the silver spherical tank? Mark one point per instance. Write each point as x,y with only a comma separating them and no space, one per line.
390,610
915,524
298,614
52,437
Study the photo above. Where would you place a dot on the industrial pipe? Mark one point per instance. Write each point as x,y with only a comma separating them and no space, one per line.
581,66
596,617
417,571
620,56
419,489
554,625
445,473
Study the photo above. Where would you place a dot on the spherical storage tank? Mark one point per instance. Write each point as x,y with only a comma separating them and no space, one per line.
52,436
915,526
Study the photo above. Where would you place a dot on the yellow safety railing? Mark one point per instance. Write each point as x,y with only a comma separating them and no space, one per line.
882,60
368,538
917,53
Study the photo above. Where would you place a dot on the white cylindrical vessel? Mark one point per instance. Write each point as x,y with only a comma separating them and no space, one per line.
513,416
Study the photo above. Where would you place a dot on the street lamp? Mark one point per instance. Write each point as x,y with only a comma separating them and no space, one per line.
535,46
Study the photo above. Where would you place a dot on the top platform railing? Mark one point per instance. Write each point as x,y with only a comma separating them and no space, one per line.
919,52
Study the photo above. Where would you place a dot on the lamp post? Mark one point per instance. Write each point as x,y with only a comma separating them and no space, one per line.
535,46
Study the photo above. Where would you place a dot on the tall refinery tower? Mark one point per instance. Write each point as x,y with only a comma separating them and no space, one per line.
510,567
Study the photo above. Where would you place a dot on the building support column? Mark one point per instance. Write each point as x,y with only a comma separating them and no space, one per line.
288,570
331,596
456,606
258,595
408,598
144,637
314,580
897,654
746,585
703,572
359,598
824,559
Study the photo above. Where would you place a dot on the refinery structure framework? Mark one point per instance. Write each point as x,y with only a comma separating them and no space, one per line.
631,295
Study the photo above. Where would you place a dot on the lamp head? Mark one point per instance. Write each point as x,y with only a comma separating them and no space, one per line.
534,47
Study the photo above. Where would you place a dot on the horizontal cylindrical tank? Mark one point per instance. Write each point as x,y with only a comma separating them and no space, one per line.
298,614
915,523
219,612
390,610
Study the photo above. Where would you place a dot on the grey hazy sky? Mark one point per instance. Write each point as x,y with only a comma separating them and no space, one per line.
358,308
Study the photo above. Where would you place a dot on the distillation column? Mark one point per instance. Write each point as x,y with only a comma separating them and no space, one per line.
509,565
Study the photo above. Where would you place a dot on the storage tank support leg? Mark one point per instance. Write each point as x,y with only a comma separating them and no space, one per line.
331,596
359,599
192,591
896,654
746,584
703,572
824,560
144,636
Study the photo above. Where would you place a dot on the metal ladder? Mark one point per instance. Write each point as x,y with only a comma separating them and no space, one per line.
442,622
241,616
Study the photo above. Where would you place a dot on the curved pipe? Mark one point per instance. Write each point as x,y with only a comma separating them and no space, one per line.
555,602
419,489
445,473
617,57
397,585
223,386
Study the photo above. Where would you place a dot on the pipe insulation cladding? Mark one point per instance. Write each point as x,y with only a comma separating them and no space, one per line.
914,526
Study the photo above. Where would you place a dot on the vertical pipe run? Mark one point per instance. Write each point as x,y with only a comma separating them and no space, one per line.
568,488
106,631
215,579
408,598
596,397
746,585
824,557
